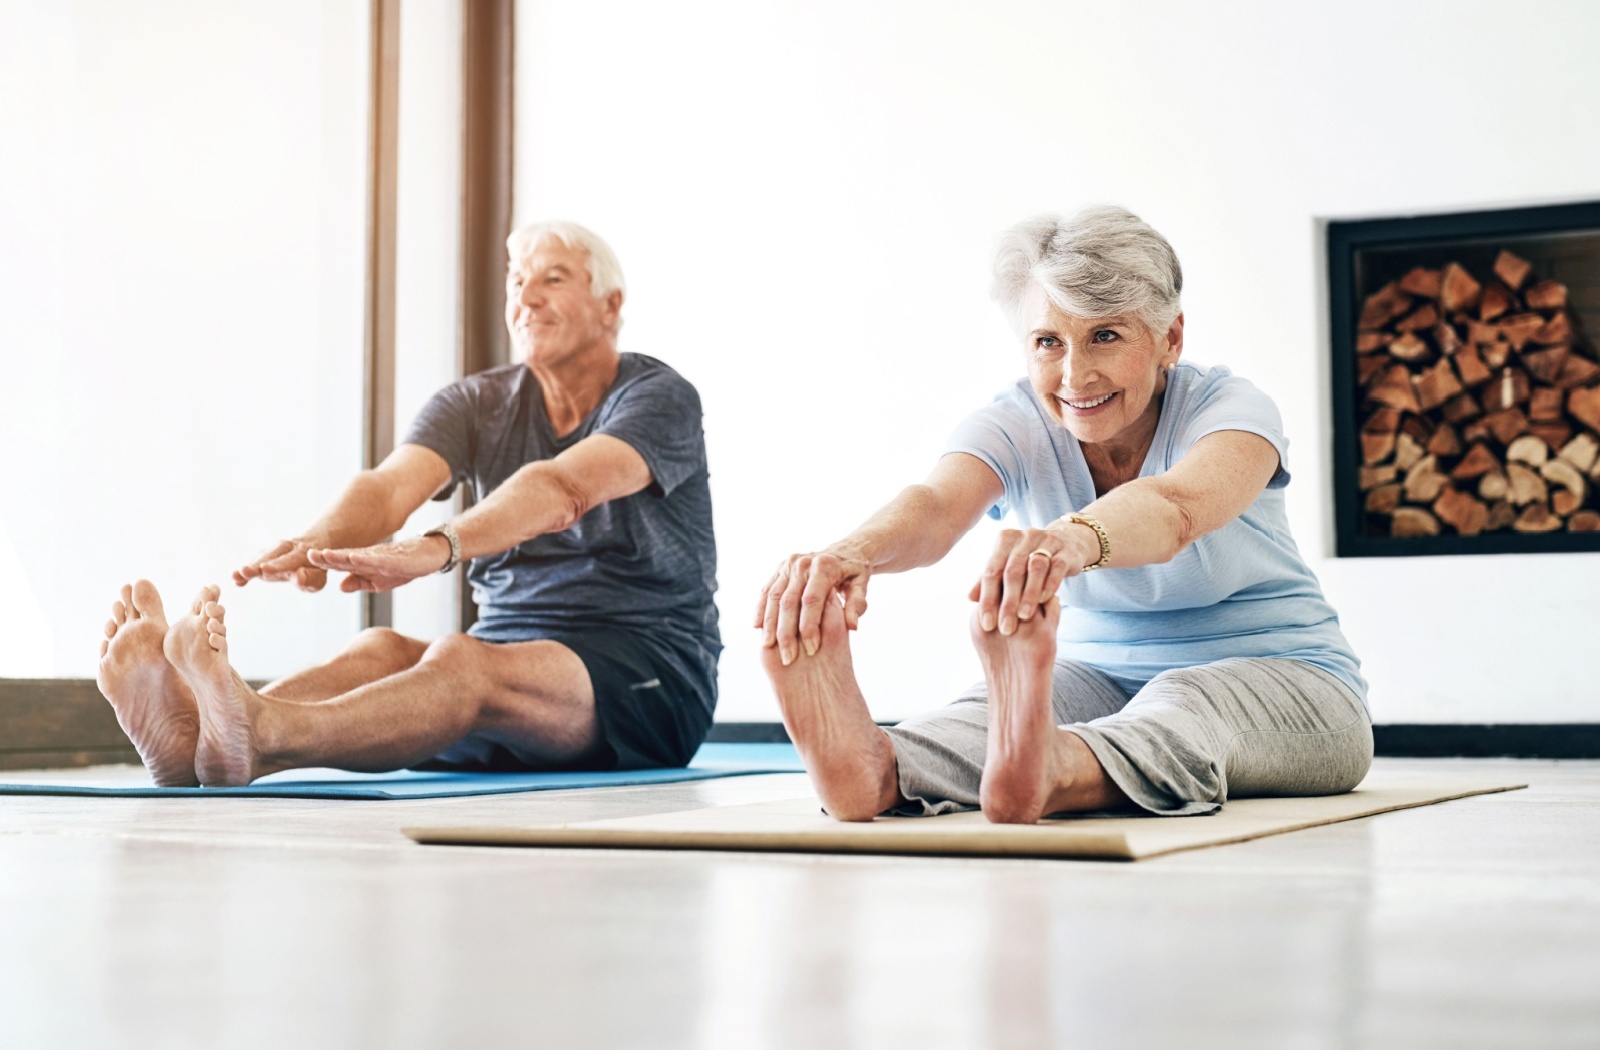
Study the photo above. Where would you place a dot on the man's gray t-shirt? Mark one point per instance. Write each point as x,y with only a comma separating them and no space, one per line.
646,562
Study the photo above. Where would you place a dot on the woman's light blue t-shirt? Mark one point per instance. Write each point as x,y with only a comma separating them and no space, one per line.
1241,591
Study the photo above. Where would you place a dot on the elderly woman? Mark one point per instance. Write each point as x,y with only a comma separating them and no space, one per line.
1150,635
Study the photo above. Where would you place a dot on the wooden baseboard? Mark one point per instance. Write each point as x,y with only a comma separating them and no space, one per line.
48,723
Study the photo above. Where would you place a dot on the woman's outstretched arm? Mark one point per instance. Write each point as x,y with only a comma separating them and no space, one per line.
916,528
1147,520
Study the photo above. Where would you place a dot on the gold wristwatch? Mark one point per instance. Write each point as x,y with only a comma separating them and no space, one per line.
1100,532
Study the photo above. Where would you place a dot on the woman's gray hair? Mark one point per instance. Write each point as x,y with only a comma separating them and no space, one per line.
605,272
1102,262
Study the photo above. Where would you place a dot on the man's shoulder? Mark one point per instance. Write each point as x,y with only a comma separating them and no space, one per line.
640,373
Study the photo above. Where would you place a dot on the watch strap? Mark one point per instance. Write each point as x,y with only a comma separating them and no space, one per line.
448,531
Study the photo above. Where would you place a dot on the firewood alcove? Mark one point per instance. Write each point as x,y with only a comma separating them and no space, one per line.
1466,382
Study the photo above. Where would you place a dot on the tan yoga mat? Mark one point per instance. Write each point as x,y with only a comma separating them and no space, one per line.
798,826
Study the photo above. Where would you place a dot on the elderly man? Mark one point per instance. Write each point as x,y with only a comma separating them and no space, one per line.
592,563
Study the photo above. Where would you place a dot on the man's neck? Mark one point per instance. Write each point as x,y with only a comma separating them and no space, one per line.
575,386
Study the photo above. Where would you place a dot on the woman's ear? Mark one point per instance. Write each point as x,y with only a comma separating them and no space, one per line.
1174,343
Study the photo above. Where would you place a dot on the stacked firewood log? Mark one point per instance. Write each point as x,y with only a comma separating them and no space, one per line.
1480,405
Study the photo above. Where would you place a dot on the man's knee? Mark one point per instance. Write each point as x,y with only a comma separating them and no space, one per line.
458,654
383,643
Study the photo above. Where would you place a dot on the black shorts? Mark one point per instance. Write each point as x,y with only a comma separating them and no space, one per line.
654,702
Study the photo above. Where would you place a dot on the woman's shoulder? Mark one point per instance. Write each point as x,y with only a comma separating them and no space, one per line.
1212,389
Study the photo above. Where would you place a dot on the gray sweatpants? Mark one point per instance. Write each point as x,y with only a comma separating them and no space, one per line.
1181,746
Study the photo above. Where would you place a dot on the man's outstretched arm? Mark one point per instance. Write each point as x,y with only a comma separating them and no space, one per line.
374,505
549,495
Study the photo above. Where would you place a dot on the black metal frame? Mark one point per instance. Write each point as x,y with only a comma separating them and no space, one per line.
1345,240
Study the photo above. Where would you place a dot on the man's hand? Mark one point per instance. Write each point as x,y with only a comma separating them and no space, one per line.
283,562
384,566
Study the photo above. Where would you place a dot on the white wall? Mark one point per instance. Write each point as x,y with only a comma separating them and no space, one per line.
805,195
182,194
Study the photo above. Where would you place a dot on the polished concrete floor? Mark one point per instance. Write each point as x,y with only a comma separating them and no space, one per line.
302,924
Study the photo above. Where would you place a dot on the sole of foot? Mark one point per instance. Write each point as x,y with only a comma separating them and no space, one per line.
153,705
197,645
848,757
1021,769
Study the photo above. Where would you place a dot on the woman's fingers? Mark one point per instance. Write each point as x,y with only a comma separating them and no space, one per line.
761,604
1035,567
991,582
769,615
824,579
1012,579
1042,553
855,602
1060,569
789,609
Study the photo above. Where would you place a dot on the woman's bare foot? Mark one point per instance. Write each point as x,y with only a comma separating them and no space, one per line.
849,758
153,705
197,645
1025,765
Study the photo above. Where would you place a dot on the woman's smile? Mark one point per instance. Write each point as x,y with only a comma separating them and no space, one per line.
1087,406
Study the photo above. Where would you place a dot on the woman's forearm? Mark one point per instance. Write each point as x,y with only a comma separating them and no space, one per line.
1144,524
909,532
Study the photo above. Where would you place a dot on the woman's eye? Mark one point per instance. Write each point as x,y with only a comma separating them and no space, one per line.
1047,341
1104,335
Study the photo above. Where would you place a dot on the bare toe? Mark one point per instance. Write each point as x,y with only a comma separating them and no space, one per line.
197,646
147,601
151,702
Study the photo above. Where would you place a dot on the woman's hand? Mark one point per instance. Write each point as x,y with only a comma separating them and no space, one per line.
385,566
790,610
283,562
1025,571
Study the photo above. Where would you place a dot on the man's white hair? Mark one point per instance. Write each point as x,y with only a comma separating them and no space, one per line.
1102,262
605,272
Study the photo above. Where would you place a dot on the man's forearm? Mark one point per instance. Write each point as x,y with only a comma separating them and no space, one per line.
362,515
538,499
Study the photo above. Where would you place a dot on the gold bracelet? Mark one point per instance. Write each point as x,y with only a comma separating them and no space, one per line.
1100,532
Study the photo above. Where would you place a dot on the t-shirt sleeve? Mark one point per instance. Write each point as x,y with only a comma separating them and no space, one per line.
659,415
1232,403
445,425
993,434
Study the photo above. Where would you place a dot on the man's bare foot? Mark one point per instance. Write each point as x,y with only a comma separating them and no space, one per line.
849,758
197,645
153,705
1024,765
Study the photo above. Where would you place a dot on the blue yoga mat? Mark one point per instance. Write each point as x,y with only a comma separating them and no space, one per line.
710,762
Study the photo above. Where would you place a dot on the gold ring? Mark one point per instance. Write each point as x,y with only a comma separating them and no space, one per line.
1047,554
